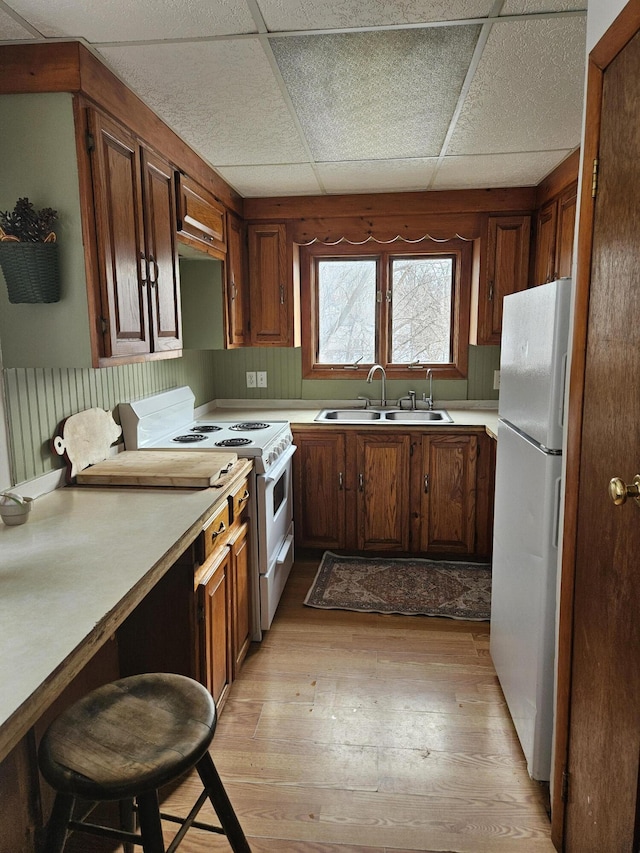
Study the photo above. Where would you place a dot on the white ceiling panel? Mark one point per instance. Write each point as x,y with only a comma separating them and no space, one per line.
529,7
292,97
496,170
527,92
283,15
374,176
383,95
13,30
124,20
221,97
262,181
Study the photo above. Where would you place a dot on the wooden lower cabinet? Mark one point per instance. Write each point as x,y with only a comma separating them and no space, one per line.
382,492
240,597
214,616
413,492
319,482
448,494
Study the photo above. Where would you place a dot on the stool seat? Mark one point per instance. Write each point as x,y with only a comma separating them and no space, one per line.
123,742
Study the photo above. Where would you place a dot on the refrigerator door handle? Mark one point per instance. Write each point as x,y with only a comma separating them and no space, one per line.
556,512
563,389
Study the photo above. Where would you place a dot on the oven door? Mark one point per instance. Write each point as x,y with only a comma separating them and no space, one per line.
275,532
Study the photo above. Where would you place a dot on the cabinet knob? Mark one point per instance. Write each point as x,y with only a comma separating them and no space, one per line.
216,533
340,481
282,294
361,482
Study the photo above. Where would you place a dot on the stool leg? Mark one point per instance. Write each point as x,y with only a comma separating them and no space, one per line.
56,834
221,804
150,824
127,822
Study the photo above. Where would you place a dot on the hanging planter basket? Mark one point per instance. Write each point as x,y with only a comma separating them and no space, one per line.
31,271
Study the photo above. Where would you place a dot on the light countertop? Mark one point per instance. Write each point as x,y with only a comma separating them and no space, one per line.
71,575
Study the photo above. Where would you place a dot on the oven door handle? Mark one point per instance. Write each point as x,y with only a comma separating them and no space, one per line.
275,472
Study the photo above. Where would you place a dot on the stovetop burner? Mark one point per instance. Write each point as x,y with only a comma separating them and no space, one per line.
234,442
249,425
190,438
206,428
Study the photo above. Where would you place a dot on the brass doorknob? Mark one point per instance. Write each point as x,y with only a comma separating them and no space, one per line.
619,491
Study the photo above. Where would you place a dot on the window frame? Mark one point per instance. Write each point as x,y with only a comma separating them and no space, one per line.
460,250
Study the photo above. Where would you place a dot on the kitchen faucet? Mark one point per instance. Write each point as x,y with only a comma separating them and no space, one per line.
383,382
429,400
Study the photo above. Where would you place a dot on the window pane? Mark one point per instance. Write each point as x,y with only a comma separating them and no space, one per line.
346,311
421,323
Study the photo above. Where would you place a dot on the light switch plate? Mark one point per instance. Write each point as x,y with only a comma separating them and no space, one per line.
496,380
251,379
262,378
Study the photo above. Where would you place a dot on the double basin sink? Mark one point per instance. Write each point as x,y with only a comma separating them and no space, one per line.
385,416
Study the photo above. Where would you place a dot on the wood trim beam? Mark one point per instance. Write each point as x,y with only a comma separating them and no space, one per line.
521,199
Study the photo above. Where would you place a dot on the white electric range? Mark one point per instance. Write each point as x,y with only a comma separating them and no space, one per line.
167,421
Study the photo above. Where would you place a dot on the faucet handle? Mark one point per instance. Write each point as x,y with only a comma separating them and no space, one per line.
367,401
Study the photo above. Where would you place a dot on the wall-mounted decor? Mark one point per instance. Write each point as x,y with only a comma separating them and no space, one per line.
29,253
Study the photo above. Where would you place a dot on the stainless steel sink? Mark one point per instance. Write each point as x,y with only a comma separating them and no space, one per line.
418,416
349,415
381,416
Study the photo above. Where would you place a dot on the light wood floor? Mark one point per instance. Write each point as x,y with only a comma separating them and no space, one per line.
361,733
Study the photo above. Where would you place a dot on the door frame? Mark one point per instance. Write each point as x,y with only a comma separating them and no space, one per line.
621,31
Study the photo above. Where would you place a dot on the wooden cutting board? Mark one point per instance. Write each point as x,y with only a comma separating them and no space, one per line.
175,468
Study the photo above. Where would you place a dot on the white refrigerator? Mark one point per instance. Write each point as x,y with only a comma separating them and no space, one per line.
533,359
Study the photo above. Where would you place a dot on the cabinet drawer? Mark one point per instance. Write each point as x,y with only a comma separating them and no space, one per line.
216,529
201,217
239,500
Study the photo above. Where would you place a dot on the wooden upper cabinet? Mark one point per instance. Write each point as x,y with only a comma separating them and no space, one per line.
117,196
554,236
163,283
134,204
236,300
201,217
504,269
273,292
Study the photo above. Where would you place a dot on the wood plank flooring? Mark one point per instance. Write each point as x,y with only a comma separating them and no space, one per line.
362,733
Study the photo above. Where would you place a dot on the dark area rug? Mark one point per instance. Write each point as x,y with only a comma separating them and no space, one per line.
412,587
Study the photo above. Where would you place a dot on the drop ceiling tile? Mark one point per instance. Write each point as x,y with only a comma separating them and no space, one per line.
123,20
220,97
527,92
11,30
261,181
529,7
287,15
496,170
376,175
380,95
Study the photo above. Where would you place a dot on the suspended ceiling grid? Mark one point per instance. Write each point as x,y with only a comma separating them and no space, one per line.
305,97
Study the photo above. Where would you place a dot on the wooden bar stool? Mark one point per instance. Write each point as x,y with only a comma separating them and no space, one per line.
123,742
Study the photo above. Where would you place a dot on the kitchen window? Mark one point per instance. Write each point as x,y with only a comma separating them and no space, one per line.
405,306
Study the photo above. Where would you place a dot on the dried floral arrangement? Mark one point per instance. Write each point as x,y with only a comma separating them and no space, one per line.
25,224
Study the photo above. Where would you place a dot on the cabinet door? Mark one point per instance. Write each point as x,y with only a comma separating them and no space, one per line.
236,300
545,266
382,496
117,193
240,597
163,278
505,270
566,226
269,298
448,512
214,623
319,489
200,217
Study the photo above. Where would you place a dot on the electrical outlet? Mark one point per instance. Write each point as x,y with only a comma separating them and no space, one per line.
251,379
496,380
262,378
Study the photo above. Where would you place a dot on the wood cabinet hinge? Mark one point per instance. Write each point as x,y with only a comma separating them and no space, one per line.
105,325
565,786
594,177
200,614
91,142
